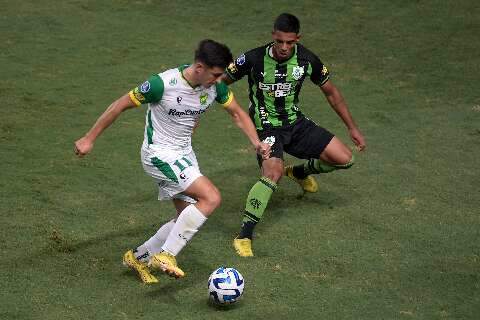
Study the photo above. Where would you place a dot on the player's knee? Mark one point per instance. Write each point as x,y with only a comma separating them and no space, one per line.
349,161
273,169
274,175
214,199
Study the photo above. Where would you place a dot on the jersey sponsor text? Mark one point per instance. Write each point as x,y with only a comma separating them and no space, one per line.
187,112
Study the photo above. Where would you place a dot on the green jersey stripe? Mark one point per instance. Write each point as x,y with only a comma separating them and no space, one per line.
269,67
257,99
164,168
292,96
149,127
280,101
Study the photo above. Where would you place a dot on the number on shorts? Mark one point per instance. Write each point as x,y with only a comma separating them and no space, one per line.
182,166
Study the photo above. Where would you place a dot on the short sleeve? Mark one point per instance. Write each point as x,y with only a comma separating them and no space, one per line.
320,73
149,91
224,94
240,67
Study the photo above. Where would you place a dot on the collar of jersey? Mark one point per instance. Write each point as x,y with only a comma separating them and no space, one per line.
270,54
183,67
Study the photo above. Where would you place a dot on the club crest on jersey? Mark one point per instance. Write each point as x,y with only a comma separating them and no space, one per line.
269,140
145,87
172,82
203,99
241,59
298,72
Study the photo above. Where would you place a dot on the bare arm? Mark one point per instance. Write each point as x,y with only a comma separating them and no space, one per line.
243,121
336,101
85,144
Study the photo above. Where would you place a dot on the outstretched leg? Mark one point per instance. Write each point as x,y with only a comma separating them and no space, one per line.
257,201
335,156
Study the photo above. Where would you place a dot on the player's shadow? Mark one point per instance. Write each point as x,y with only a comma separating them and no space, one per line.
60,249
59,245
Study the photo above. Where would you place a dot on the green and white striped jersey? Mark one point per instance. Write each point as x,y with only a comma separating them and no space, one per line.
174,107
274,86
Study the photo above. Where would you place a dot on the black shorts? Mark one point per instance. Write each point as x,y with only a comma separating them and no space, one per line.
303,139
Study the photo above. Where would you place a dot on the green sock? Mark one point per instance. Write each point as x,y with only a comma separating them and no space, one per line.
256,204
314,166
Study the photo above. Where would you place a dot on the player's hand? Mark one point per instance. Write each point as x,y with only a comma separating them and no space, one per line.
358,139
263,149
82,146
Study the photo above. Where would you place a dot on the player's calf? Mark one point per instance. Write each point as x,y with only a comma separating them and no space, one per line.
315,166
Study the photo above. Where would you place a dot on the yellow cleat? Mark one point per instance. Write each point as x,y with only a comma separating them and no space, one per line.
167,263
308,184
130,261
243,247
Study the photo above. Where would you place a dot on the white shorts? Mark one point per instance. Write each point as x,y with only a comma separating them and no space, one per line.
172,171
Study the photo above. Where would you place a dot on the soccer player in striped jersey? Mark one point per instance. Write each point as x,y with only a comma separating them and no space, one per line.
175,100
276,73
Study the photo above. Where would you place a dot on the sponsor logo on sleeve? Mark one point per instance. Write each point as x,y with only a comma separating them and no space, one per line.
140,97
232,68
241,59
324,70
144,87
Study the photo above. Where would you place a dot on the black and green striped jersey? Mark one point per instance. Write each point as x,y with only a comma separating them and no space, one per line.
274,86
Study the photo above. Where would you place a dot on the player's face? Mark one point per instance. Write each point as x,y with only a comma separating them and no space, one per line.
283,44
208,76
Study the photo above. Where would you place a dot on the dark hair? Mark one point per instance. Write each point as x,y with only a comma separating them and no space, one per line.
213,54
287,22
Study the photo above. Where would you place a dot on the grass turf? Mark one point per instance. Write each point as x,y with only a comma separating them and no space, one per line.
395,237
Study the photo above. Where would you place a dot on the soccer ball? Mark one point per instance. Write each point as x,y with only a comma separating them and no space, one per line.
225,286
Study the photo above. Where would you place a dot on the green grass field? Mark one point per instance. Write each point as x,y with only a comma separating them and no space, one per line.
395,237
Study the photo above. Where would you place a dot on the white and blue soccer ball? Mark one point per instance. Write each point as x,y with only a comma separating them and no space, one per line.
225,286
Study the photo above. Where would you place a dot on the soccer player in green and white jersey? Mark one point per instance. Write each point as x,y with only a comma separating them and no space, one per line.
276,73
176,99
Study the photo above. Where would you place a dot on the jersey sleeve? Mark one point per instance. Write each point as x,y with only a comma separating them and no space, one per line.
240,67
224,94
319,74
149,91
